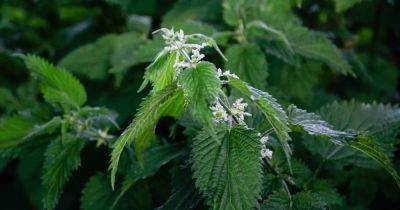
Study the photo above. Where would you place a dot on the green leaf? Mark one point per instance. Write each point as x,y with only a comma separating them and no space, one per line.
308,200
91,60
192,27
227,167
13,130
277,200
184,194
209,11
153,159
327,193
249,63
7,99
161,72
200,85
311,123
273,34
125,52
58,86
29,174
376,119
61,159
97,193
233,9
110,53
16,130
46,128
367,146
301,83
343,5
378,124
316,46
167,102
272,111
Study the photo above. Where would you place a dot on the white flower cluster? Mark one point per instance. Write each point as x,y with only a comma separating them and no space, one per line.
226,74
176,41
237,110
219,113
265,152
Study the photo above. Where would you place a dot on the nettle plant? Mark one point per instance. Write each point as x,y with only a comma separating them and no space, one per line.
230,144
238,151
65,127
239,136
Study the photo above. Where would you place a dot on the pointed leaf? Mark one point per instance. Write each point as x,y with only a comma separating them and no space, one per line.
201,86
227,167
249,63
272,111
367,146
167,102
61,159
311,123
161,72
58,86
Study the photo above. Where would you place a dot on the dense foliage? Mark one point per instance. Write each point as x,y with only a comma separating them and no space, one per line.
199,104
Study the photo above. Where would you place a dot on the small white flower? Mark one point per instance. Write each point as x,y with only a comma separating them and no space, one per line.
168,35
264,139
265,152
103,134
196,56
181,65
229,74
181,36
219,112
238,109
219,72
226,74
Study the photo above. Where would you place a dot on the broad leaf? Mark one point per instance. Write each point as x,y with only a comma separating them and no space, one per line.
315,45
249,63
91,60
311,123
7,99
98,194
13,130
61,159
167,102
153,159
277,200
367,146
16,130
272,111
343,5
201,86
58,86
379,125
46,128
184,194
209,11
161,72
227,167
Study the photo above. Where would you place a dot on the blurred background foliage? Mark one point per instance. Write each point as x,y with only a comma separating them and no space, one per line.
107,44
